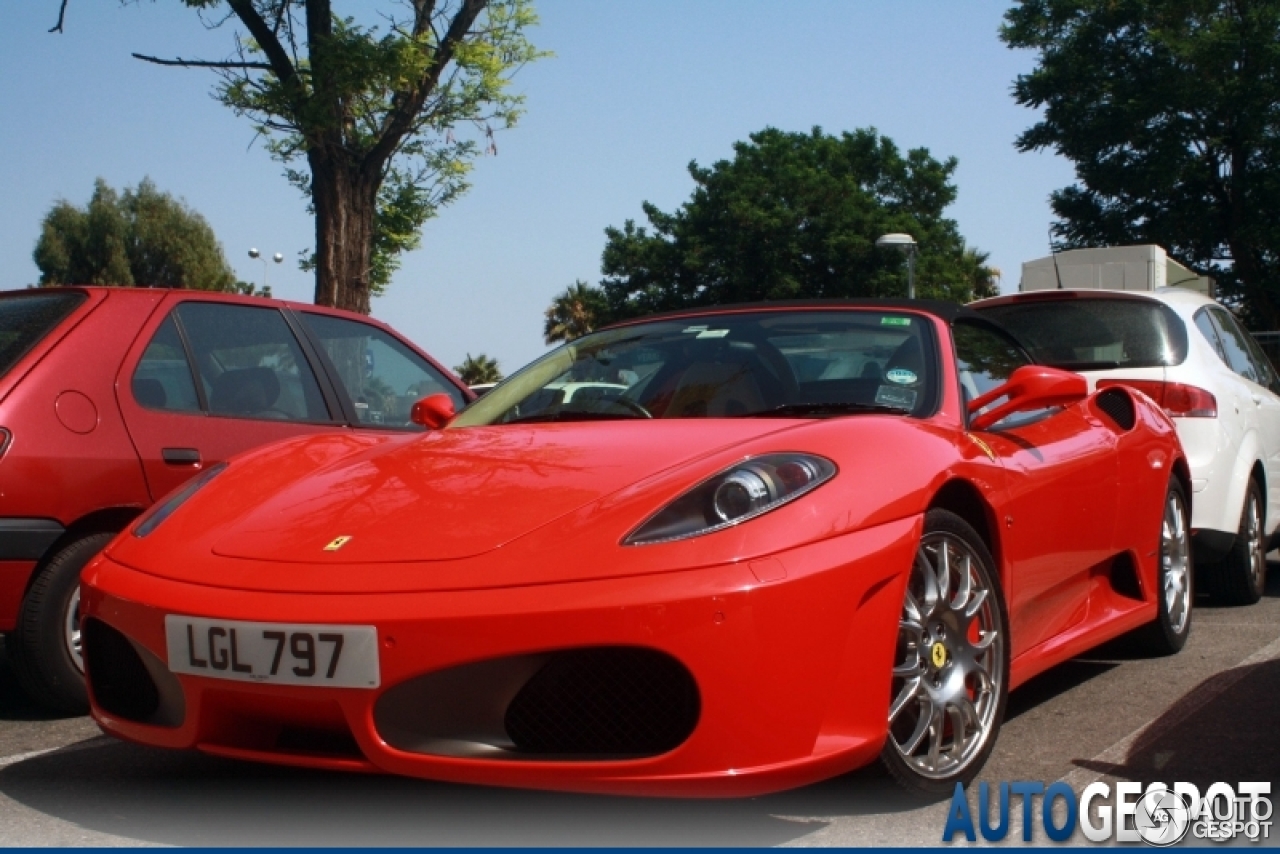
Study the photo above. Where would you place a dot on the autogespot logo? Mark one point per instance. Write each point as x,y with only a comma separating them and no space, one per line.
1160,815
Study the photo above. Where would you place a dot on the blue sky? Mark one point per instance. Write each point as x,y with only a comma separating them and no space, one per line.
634,92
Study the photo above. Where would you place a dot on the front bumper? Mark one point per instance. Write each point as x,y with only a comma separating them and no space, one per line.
792,675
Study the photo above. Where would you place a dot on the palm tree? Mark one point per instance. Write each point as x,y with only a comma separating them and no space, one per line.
478,369
985,279
573,313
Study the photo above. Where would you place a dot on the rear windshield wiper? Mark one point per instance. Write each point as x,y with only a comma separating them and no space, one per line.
823,409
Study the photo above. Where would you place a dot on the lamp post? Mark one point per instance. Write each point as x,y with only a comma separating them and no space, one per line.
907,244
278,257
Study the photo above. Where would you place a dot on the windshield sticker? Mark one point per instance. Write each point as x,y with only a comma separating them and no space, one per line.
901,376
694,329
902,398
895,321
713,333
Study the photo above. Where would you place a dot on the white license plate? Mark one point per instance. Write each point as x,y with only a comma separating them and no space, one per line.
274,653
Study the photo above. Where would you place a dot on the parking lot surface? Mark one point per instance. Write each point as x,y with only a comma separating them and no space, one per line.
1208,714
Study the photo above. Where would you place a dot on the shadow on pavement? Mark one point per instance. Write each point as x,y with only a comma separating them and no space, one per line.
1229,737
14,705
186,798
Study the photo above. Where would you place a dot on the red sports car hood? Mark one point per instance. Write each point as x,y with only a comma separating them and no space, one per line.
458,493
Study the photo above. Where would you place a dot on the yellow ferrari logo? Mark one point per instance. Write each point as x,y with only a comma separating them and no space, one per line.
938,654
337,543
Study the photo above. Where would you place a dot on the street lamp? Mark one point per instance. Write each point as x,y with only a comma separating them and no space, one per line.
278,257
904,243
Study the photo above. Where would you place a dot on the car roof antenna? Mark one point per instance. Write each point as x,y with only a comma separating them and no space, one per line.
1054,255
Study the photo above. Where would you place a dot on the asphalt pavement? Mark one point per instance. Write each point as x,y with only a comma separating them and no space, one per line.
1208,714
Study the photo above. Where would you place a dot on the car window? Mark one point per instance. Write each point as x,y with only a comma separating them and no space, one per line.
735,365
985,359
1082,333
24,320
250,363
1205,325
1244,356
383,377
162,379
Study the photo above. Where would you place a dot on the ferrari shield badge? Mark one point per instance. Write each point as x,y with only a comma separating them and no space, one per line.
337,543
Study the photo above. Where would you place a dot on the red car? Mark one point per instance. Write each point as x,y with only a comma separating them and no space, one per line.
112,397
756,547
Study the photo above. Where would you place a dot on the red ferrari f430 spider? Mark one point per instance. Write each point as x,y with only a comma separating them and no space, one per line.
715,552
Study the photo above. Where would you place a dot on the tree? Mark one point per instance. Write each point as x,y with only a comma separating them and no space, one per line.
143,237
378,112
793,215
573,313
1170,111
478,369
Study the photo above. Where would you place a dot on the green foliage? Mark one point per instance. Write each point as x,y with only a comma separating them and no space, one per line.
1170,111
397,110
794,215
478,369
573,313
143,237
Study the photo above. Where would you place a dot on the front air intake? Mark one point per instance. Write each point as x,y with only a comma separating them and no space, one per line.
615,701
117,677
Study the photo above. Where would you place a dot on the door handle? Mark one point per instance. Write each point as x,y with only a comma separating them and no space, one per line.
180,456
1257,399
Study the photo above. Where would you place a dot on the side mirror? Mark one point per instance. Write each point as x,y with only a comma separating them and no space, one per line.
1029,387
433,411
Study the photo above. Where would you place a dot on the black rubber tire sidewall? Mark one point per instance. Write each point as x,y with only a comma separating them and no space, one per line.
1229,580
939,521
36,648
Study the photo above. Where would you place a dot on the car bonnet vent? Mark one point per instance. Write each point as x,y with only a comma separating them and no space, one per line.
1118,406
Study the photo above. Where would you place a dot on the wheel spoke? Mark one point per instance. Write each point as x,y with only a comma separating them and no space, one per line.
944,572
930,586
936,722
965,588
922,729
975,604
909,690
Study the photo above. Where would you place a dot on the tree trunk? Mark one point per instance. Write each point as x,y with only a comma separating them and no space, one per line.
345,203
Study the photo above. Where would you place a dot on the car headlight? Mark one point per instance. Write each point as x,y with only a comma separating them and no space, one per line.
151,520
743,491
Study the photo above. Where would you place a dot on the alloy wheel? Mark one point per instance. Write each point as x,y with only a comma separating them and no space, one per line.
71,630
1253,539
950,661
1175,548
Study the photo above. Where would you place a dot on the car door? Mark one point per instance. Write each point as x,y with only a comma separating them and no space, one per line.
209,379
1254,386
1061,468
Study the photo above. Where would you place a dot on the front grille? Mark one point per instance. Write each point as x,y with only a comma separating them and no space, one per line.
117,677
1118,406
618,701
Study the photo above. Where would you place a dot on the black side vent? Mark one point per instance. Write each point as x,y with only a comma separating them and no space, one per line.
1118,406
1124,577
617,701
117,677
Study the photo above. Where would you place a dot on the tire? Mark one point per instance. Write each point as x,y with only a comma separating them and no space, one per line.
1239,578
1175,592
44,647
951,671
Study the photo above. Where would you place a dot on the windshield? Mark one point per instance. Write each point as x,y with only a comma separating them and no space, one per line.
24,320
775,363
1085,334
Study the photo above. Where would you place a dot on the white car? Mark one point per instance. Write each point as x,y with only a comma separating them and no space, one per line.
1191,356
